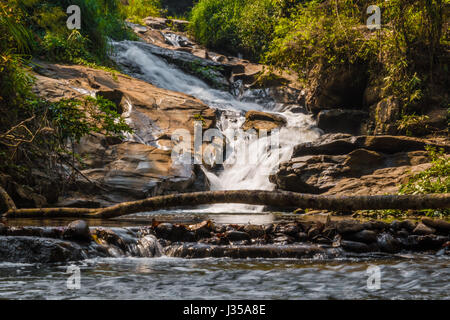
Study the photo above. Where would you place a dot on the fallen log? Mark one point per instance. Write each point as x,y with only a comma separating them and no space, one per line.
253,197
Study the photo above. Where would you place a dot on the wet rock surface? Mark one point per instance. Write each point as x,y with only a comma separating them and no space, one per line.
301,239
259,120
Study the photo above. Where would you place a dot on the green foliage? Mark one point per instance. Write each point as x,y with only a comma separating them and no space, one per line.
412,124
308,37
214,23
70,49
320,34
137,10
435,179
77,118
14,43
235,26
100,20
256,26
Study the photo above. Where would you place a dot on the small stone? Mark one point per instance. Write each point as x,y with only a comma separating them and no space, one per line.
283,239
387,243
237,235
354,246
78,230
375,225
164,230
431,241
290,230
440,225
366,236
220,229
202,229
395,225
422,229
313,232
409,225
403,233
302,236
349,226
268,228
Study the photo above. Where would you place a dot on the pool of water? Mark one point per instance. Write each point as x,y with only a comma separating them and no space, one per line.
401,277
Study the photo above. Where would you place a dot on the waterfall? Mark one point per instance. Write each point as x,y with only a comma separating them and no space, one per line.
236,175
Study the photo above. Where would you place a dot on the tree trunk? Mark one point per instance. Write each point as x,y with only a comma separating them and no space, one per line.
255,197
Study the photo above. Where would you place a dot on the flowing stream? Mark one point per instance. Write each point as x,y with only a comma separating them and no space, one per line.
402,277
252,160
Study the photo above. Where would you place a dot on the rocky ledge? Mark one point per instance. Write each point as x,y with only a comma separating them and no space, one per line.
345,164
301,239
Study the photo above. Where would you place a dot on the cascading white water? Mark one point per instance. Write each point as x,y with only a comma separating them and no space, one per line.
236,175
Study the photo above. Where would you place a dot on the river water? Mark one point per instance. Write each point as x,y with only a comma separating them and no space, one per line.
401,277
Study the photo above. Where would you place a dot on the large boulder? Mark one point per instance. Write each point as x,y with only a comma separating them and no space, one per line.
23,249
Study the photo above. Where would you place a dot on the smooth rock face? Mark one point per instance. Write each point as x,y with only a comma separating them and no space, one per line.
127,171
78,230
344,164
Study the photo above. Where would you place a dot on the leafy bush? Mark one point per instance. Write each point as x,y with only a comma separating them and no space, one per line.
77,118
412,124
14,43
435,179
214,23
235,26
70,49
314,33
100,20
256,26
333,33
